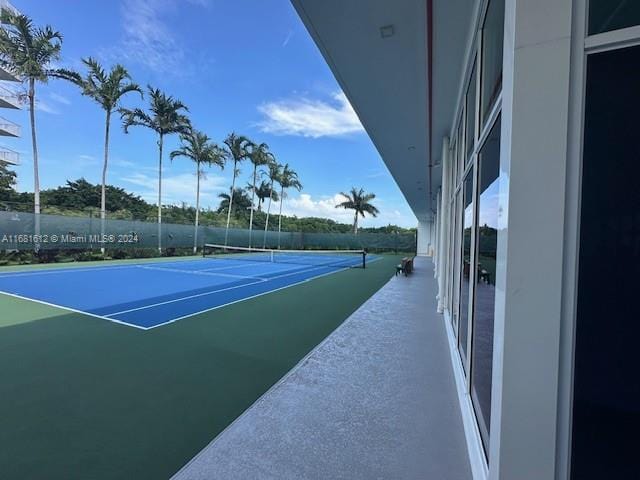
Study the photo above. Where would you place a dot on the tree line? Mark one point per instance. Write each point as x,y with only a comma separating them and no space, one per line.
29,51
82,198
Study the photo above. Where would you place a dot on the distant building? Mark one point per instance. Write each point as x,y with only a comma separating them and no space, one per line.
8,99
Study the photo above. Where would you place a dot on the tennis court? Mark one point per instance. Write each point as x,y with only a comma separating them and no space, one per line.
147,295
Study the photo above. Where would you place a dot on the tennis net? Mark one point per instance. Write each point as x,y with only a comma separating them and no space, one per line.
329,258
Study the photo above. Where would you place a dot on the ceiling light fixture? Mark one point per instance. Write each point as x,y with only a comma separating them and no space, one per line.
387,31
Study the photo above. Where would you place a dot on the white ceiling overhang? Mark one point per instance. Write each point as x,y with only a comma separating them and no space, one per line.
385,74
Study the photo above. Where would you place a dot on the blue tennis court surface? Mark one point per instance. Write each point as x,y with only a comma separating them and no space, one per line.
147,295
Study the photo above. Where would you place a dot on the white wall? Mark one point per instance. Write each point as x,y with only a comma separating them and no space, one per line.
425,238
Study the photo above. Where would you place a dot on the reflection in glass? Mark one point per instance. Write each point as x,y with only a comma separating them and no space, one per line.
608,15
471,112
492,39
460,158
483,306
467,219
456,262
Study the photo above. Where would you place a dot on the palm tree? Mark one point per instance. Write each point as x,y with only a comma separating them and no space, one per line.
28,51
258,155
165,117
358,201
237,146
240,199
287,179
273,173
263,191
106,89
198,147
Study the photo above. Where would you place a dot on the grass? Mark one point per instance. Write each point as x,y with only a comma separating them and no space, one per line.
84,398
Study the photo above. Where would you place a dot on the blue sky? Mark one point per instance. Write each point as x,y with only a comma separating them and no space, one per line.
240,65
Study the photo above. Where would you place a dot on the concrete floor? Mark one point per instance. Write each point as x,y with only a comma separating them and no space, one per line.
375,400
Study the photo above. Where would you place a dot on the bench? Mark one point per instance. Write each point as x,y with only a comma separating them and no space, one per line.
405,266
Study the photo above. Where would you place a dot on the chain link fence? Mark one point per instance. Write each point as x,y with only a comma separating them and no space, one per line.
61,232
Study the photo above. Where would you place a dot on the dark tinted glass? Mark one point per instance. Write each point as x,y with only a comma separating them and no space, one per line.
607,15
471,113
606,409
487,243
492,44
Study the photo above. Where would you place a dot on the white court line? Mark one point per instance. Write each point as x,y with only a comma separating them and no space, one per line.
82,312
51,271
229,267
200,272
246,298
257,295
211,292
128,324
64,270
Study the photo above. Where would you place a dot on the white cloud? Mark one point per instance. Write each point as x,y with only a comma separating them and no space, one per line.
56,97
177,188
149,38
51,102
287,38
304,205
310,118
46,107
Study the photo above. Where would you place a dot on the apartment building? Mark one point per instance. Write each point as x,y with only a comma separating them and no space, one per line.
9,99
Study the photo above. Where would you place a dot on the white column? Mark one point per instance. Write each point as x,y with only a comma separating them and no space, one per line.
424,237
535,104
443,231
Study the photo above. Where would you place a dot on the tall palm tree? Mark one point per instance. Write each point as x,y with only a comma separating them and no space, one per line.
237,146
165,117
198,147
358,201
106,89
240,199
259,155
28,51
273,173
287,179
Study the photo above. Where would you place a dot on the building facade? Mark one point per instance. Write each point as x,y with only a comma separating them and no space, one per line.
510,126
8,99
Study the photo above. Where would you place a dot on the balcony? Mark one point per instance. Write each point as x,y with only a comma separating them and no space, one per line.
9,156
9,129
9,99
376,399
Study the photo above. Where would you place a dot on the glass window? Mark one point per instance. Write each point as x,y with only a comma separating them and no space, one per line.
483,305
606,410
455,284
492,40
607,15
460,158
471,112
465,264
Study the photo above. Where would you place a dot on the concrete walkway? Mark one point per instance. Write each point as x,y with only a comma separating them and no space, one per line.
376,400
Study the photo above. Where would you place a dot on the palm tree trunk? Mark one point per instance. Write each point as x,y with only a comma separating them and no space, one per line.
36,176
195,233
253,197
266,223
160,196
280,216
103,194
233,187
355,224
